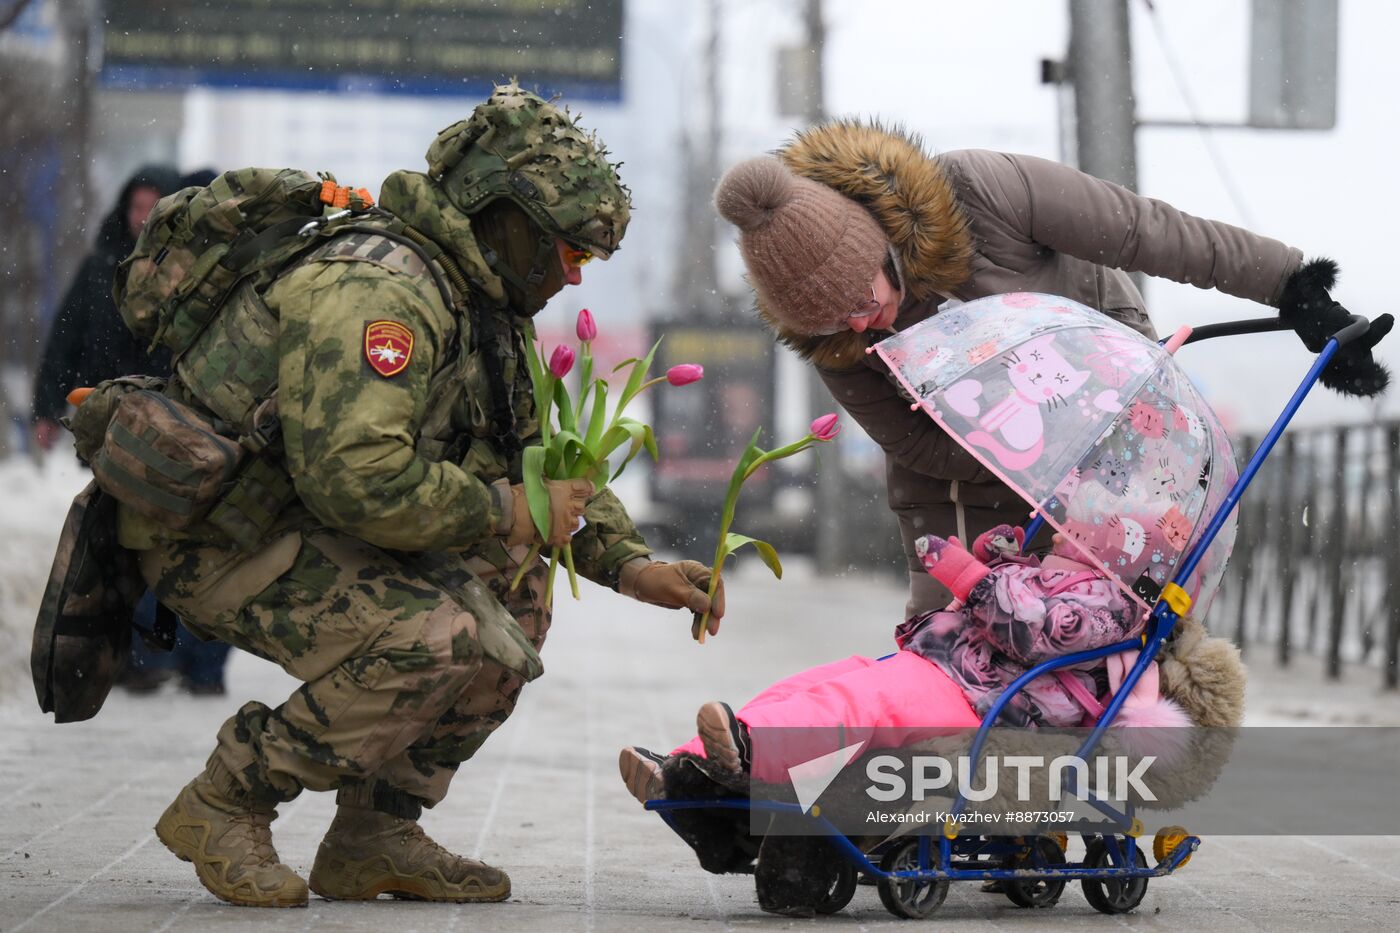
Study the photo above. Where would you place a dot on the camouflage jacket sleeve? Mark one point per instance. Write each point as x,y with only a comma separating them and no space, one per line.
349,431
607,541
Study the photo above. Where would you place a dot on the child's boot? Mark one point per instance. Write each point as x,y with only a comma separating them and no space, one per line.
641,772
724,737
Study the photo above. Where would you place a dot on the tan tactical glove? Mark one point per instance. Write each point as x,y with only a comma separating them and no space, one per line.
682,585
567,500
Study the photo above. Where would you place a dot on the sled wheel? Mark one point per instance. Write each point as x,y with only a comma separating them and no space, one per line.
906,897
1166,841
841,890
1112,895
1036,892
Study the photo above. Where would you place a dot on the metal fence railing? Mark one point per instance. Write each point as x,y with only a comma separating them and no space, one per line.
1317,557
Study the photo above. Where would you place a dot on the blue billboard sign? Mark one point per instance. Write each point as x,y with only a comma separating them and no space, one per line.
458,47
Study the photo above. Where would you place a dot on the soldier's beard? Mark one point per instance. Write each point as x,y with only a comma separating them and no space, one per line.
515,239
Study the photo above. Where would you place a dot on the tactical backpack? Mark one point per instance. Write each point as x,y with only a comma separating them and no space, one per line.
206,451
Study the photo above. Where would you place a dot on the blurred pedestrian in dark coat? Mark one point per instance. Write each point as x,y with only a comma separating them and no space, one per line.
87,341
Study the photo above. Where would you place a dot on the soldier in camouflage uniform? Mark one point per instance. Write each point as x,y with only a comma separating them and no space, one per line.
384,583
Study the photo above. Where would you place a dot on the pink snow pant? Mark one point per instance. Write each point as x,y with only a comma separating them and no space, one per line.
887,703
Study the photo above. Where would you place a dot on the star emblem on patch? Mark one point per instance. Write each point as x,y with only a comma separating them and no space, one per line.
388,347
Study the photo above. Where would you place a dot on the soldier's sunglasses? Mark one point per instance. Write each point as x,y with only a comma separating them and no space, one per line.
576,257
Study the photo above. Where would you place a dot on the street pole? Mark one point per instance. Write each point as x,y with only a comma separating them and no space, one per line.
1101,70
829,546
697,277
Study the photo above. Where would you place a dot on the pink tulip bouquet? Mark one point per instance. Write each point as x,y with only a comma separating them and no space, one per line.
586,435
821,430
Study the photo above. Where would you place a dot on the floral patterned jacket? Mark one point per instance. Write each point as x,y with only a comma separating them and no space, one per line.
1021,613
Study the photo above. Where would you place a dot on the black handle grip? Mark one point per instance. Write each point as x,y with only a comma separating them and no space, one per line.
1353,331
1262,325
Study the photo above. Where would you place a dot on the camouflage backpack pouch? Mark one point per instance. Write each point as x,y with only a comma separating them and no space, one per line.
165,460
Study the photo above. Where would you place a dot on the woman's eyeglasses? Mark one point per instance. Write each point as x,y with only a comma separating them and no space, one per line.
866,309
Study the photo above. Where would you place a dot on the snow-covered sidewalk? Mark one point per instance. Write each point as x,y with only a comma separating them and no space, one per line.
543,799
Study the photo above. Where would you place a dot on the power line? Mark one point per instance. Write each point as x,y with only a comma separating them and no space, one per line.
1207,137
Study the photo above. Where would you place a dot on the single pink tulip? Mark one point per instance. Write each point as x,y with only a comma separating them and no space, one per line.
826,427
586,328
685,374
561,361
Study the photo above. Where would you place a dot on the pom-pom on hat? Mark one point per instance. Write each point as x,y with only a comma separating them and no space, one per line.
811,253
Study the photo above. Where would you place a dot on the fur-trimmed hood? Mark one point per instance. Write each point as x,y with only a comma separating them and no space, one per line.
1205,675
887,170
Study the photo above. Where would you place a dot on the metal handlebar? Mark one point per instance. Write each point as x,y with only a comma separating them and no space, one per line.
1263,325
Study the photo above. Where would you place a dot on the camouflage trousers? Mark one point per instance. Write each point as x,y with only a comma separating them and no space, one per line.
401,683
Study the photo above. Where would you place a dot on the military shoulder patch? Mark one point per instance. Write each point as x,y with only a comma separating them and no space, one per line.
388,347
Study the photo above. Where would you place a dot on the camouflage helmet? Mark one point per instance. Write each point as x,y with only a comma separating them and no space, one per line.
520,147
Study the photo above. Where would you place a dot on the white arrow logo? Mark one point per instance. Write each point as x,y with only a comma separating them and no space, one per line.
811,778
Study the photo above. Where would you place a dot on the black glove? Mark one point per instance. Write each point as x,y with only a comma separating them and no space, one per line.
1307,306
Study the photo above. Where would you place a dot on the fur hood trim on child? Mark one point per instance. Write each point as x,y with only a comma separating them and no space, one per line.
1205,675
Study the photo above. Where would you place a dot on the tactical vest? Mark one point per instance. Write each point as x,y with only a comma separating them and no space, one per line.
231,372
461,423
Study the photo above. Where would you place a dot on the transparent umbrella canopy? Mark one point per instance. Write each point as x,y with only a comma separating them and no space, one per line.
1090,422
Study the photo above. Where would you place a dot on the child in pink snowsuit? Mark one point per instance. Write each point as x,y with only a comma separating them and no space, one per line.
1011,613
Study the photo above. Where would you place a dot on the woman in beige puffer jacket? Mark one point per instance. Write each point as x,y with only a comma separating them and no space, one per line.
849,202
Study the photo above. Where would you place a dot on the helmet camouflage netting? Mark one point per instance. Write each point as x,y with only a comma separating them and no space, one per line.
521,147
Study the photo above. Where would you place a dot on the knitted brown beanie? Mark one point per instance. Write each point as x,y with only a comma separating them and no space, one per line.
811,253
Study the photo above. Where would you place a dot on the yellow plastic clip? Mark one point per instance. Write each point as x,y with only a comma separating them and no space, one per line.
1176,598
1136,829
951,828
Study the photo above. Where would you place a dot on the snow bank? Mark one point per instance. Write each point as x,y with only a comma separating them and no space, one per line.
37,500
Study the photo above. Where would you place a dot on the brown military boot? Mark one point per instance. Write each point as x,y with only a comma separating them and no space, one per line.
229,839
367,853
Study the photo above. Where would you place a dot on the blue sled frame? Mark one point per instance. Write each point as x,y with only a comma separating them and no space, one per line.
914,871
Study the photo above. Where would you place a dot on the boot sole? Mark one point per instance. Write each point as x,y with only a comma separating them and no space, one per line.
165,831
408,888
713,723
641,775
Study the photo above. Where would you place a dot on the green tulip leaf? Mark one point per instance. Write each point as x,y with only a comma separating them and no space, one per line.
553,461
564,406
575,456
650,443
536,495
638,376
733,541
598,418
625,429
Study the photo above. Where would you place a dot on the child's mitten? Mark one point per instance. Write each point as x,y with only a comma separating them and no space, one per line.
950,564
997,543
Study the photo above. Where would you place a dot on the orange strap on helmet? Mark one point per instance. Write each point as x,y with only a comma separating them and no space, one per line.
341,197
